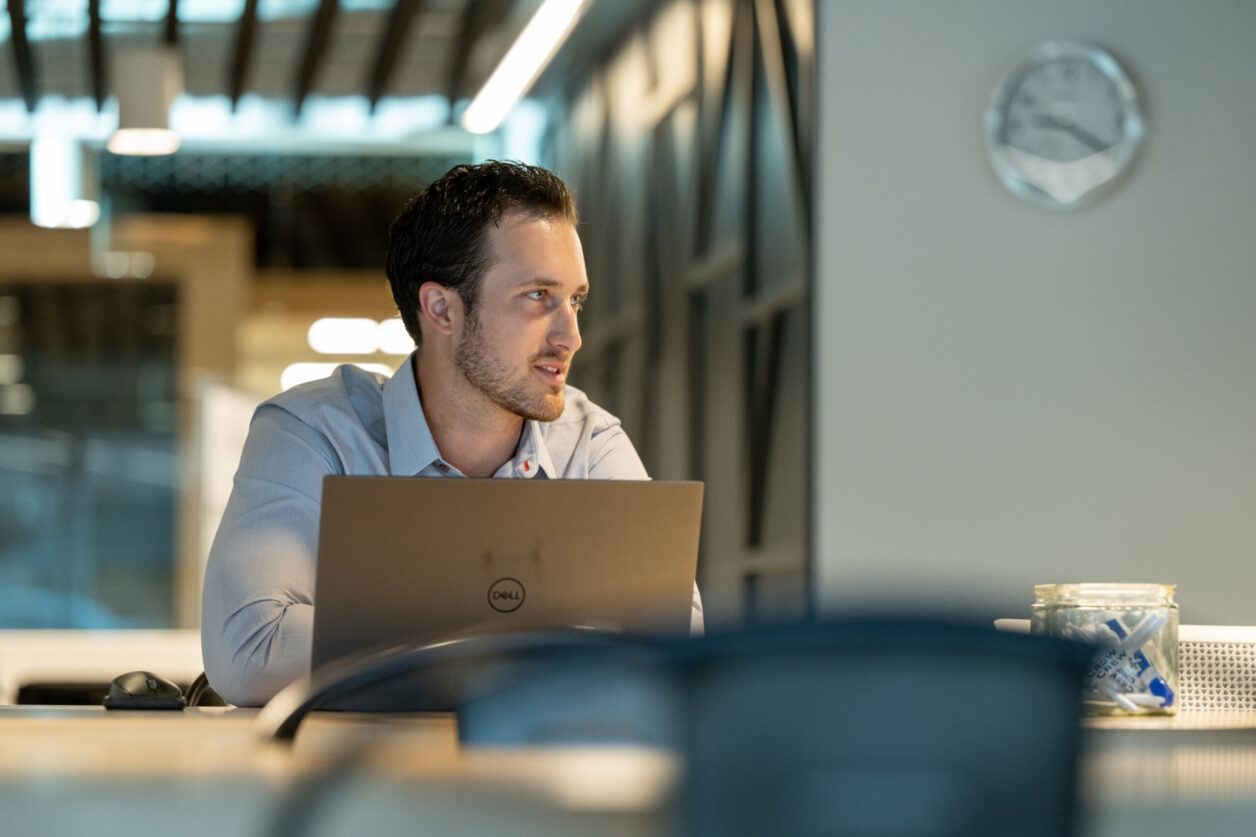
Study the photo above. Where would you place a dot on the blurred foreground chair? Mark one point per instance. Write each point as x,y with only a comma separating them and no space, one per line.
879,728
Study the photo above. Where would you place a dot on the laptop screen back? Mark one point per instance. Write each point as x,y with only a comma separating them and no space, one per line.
416,560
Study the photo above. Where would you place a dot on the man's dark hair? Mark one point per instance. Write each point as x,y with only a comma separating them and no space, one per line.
440,234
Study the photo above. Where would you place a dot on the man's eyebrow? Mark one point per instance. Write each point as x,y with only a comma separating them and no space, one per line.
545,282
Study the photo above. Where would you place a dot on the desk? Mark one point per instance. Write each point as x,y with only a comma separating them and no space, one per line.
1190,774
82,770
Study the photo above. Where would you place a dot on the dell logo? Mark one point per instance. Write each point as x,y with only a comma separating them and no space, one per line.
506,595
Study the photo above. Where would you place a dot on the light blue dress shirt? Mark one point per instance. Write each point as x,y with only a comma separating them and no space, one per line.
257,612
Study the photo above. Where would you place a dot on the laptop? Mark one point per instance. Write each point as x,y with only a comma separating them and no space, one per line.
415,560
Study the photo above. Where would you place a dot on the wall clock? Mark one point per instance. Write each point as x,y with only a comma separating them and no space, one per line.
1063,124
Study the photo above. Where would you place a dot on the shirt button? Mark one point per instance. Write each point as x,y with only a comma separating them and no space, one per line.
442,467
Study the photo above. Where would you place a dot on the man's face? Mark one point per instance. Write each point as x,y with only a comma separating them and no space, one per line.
516,345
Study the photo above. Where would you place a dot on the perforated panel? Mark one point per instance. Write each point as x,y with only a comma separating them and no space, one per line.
1218,675
1216,665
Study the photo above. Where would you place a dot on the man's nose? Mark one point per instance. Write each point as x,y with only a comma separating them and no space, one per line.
566,332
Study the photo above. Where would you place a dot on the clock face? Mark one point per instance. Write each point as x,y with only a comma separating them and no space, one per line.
1064,122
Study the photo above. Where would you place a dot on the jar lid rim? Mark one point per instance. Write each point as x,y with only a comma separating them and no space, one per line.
1104,591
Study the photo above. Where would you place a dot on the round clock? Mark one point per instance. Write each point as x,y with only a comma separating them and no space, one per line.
1063,123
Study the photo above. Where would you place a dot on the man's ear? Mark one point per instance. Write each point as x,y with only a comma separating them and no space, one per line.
439,307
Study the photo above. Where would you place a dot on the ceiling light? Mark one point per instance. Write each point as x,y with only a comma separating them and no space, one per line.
343,336
123,264
63,184
142,264
11,369
144,142
528,55
147,80
16,399
393,339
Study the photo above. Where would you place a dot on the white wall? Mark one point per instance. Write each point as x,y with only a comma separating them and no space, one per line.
1008,395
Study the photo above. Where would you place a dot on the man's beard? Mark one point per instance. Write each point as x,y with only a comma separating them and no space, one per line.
494,379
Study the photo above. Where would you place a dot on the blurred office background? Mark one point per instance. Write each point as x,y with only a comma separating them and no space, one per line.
182,288
898,380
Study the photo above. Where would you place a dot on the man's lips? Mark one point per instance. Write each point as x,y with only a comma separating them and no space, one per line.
554,371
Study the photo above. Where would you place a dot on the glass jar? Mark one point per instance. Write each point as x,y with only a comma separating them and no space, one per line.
1135,629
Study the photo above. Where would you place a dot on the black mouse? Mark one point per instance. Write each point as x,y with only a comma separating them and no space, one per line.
143,690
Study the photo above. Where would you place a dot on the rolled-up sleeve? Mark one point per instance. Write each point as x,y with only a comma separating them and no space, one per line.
257,610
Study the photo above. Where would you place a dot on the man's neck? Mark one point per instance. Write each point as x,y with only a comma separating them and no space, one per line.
471,432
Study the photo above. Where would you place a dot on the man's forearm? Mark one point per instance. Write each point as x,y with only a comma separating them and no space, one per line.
258,650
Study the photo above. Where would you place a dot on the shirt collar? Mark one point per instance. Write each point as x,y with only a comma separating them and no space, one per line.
411,447
532,449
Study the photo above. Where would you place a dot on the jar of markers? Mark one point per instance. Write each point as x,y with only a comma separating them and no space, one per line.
1134,628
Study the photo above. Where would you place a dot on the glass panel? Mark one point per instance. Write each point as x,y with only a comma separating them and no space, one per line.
190,11
210,11
135,10
51,19
281,9
88,454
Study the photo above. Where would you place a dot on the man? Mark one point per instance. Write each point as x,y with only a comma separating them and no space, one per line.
488,273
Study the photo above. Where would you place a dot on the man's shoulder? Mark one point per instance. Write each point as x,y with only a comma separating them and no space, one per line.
348,393
588,442
579,409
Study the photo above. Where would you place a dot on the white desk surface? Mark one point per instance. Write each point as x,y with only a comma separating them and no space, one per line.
1190,774
205,771
82,770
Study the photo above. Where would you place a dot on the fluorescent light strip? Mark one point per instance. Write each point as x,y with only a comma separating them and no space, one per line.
343,336
143,142
393,338
359,336
528,55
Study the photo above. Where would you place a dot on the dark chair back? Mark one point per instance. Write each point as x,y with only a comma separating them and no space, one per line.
882,727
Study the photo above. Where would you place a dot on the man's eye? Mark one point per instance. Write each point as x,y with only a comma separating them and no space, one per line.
536,295
577,302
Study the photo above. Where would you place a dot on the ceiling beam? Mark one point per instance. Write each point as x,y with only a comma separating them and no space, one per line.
246,28
22,54
171,35
316,42
96,55
390,45
478,17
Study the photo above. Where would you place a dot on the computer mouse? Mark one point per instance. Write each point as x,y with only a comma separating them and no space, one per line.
143,690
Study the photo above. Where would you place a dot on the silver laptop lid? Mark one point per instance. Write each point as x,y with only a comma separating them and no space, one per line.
416,560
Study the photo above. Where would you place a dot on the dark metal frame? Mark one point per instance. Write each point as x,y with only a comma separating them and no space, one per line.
317,39
22,60
697,234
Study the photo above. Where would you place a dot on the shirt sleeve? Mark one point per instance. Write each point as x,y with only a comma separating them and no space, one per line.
257,613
